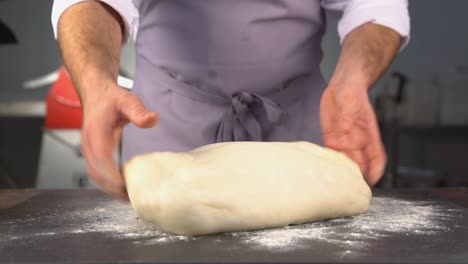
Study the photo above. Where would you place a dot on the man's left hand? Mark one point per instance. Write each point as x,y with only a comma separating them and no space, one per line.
349,125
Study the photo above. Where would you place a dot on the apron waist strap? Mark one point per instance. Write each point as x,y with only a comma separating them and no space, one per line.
248,115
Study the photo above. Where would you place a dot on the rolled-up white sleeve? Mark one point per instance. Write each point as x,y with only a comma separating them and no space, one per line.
390,13
125,8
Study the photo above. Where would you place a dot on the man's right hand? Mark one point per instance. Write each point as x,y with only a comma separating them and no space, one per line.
104,117
90,36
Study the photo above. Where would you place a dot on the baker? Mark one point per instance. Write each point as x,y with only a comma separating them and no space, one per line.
214,71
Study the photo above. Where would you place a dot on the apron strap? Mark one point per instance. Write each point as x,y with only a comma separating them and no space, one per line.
248,116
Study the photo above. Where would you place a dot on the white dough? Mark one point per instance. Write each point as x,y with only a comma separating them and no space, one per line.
244,186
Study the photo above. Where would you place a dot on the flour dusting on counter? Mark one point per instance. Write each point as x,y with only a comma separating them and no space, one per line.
115,220
386,217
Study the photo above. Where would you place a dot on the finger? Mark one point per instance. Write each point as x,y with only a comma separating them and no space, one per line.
123,195
134,110
97,177
346,121
375,151
356,139
359,157
88,160
101,140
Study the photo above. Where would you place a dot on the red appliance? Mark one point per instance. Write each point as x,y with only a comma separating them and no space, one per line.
63,104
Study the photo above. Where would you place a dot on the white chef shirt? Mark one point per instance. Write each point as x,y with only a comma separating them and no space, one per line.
389,13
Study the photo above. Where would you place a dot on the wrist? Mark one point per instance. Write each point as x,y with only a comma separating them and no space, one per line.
353,81
93,84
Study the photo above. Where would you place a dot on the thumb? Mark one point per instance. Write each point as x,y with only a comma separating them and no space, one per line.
134,111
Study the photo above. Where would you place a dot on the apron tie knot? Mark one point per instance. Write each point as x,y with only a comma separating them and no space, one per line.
249,118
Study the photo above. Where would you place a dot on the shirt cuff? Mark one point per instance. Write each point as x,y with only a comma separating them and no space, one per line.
390,13
125,8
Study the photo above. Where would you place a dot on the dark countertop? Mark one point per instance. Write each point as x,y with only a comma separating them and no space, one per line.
87,226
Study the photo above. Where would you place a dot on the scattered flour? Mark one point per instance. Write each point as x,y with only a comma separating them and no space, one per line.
115,220
386,217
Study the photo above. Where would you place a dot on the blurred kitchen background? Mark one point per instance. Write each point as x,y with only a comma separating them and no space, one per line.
421,103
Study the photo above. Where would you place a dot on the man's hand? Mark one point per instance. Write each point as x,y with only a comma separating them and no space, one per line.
349,125
347,119
90,38
104,117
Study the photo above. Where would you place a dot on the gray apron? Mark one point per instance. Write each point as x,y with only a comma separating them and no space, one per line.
219,71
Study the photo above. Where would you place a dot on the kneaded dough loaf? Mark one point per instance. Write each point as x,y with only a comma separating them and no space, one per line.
244,186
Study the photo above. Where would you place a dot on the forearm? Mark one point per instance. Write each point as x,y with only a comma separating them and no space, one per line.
366,53
90,37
